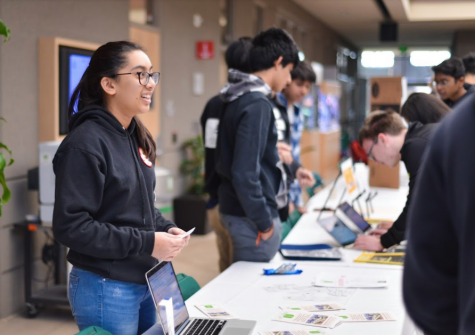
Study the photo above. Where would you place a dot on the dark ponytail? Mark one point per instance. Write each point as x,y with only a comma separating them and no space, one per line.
424,108
106,62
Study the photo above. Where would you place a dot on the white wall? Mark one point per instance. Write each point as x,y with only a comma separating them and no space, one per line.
97,21
178,63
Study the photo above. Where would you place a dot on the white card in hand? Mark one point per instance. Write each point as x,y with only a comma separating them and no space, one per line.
188,232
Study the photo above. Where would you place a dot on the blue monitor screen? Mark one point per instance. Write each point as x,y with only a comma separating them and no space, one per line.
77,65
338,230
354,216
73,62
163,286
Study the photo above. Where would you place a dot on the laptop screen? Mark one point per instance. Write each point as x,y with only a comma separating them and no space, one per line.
163,285
354,216
338,230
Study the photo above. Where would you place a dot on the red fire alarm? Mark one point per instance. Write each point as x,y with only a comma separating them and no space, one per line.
204,50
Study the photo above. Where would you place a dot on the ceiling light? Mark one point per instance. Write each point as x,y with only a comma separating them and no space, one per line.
377,59
428,58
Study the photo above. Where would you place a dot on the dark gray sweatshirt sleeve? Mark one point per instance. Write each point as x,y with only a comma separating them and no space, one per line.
162,224
251,140
430,286
79,187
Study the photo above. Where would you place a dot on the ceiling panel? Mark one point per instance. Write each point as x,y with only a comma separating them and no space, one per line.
358,21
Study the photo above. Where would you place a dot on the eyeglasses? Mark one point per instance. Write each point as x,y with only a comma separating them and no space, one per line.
443,82
144,77
369,154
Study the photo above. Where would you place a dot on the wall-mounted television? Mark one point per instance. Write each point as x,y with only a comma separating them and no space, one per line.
72,64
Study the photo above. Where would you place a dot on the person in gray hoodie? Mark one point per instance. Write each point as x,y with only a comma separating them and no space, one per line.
252,179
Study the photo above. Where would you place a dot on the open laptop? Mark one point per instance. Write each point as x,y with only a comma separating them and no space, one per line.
337,228
163,285
352,219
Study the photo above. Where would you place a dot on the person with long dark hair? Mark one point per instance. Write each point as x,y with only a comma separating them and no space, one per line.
424,108
104,200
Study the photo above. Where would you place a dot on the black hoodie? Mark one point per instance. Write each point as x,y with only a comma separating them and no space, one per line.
415,142
469,88
104,199
246,153
439,271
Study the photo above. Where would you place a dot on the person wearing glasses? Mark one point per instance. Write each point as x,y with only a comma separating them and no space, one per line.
469,65
387,141
449,81
104,200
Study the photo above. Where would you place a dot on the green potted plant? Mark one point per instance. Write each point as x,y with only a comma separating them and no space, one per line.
190,209
193,166
4,31
4,161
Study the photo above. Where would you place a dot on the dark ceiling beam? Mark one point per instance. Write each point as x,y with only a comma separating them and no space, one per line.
384,10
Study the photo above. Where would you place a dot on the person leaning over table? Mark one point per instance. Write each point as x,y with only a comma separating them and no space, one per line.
387,141
104,197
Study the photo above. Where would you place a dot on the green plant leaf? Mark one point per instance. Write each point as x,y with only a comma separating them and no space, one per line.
11,161
193,165
3,163
6,191
5,31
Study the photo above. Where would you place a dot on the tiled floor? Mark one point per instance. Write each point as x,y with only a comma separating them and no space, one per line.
199,260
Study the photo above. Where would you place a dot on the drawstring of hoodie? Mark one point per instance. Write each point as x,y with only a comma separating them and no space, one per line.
137,169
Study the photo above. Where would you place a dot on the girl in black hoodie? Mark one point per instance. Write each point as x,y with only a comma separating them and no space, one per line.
104,201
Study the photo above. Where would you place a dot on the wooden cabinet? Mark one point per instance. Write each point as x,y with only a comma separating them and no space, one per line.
321,152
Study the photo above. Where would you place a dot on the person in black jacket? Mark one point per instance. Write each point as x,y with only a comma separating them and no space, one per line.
449,81
237,58
424,108
469,65
104,196
387,141
439,271
252,186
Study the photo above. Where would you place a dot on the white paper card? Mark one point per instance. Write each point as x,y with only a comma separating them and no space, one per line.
309,319
314,308
367,317
215,311
211,133
343,280
188,232
293,332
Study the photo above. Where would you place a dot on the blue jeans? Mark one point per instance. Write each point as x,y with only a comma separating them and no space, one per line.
118,307
243,234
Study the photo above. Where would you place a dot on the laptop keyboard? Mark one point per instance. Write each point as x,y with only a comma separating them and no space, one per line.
205,327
